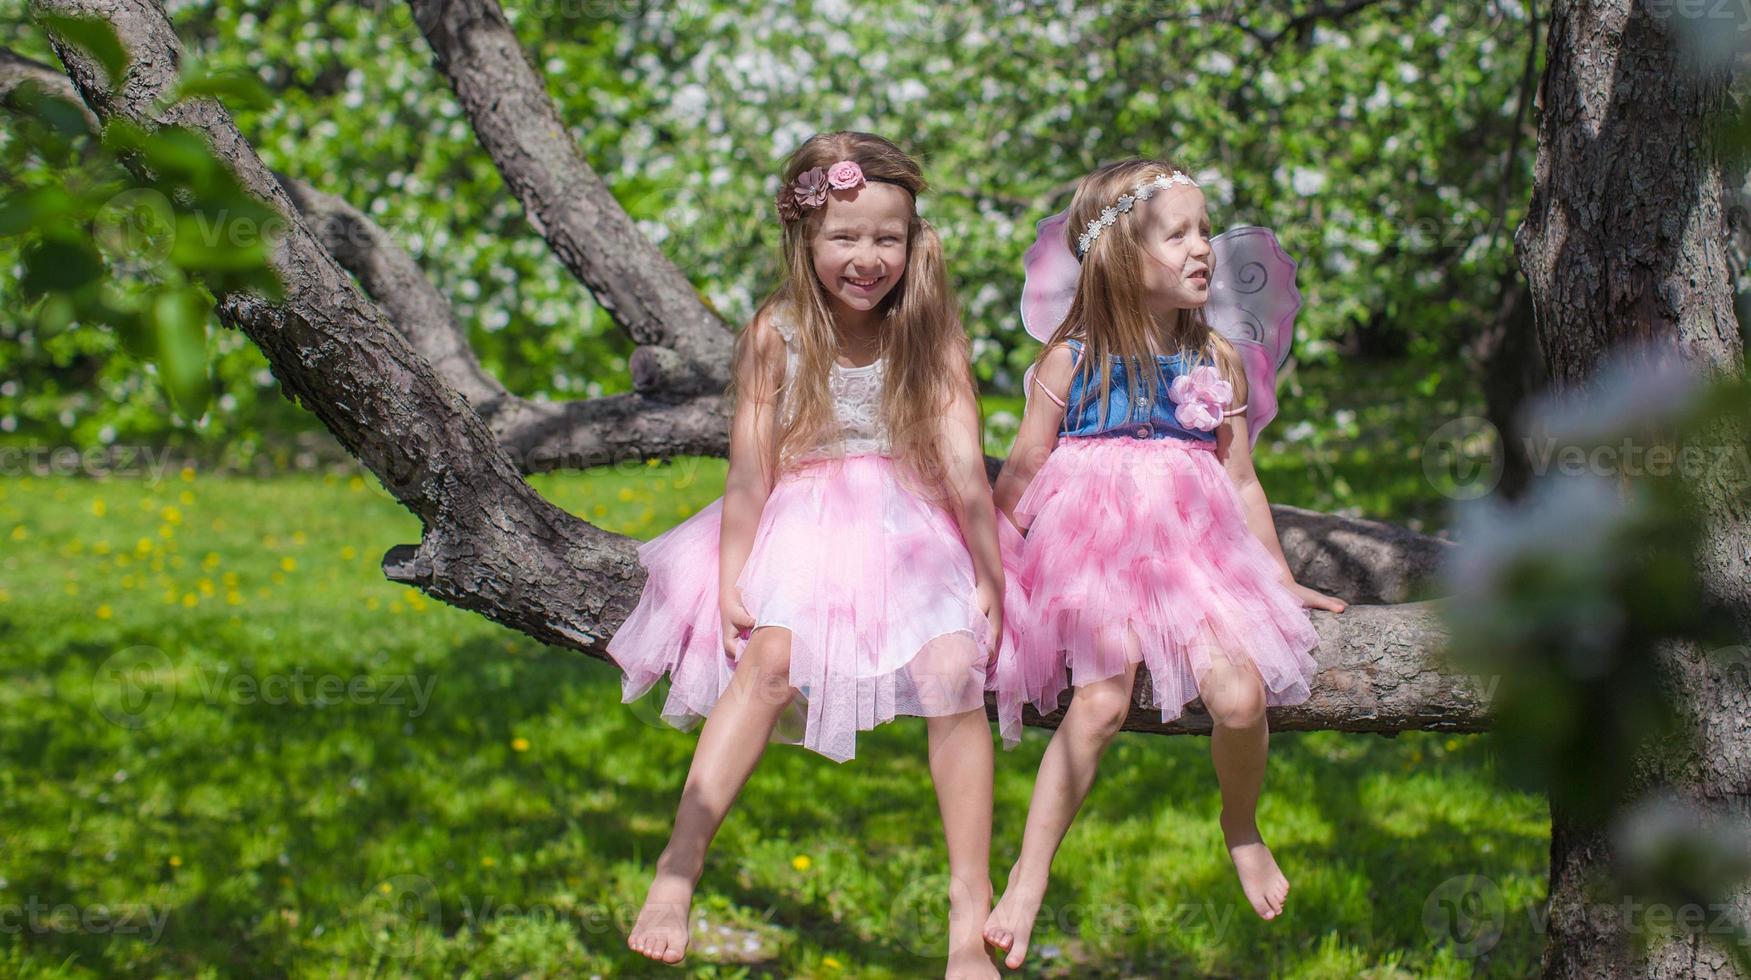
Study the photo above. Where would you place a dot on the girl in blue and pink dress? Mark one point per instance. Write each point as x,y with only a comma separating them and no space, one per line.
1149,540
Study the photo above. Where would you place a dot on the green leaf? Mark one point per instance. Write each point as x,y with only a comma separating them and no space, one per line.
179,323
55,314
236,88
96,37
59,265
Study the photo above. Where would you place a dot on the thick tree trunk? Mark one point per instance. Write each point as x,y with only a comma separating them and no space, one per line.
1626,239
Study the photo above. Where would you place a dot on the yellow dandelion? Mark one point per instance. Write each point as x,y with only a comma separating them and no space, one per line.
384,888
205,585
233,599
188,474
298,537
170,515
356,484
175,861
128,581
100,547
122,559
97,507
166,531
186,497
372,602
652,462
278,578
210,560
600,510
487,862
626,494
19,532
288,564
801,862
189,599
229,578
5,596
396,607
519,744
104,611
831,963
348,553
144,547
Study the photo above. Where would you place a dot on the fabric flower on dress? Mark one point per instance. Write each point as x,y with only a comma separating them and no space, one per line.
845,175
1200,395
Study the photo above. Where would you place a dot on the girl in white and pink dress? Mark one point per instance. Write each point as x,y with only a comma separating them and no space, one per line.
1149,540
852,571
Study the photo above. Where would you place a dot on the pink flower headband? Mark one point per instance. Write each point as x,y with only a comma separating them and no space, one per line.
809,190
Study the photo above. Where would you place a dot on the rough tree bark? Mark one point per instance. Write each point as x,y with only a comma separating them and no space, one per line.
388,382
1626,239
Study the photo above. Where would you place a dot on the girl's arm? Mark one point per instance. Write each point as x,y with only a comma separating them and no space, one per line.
1234,448
753,456
969,493
1038,434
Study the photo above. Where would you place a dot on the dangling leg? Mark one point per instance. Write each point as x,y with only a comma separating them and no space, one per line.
1066,774
733,739
960,766
1240,740
951,692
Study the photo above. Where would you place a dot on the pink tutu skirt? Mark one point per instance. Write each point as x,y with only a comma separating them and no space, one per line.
874,582
1150,535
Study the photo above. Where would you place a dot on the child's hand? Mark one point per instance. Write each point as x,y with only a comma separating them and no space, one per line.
990,600
1313,599
736,622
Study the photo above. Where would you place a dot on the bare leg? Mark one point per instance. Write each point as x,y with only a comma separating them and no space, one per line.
960,766
1240,741
1066,773
730,745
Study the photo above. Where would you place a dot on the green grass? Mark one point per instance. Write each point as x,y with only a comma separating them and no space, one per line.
502,823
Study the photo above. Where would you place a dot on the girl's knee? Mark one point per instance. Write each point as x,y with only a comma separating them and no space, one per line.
767,652
1099,711
1233,694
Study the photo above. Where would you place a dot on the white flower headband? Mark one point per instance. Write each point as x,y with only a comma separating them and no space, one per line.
1142,192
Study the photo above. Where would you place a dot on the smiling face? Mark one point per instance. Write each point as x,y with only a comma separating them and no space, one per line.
859,251
1175,233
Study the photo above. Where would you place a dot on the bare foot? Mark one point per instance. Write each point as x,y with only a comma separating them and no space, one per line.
1011,924
661,930
967,959
1264,884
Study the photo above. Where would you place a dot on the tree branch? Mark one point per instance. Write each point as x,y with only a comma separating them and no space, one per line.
569,206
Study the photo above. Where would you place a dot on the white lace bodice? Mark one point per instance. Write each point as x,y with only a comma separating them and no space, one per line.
856,393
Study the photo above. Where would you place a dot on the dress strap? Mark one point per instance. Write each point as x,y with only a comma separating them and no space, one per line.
1048,392
781,323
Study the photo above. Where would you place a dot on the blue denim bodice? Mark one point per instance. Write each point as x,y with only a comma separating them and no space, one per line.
1086,416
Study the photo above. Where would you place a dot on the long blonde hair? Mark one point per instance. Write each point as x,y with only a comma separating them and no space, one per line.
925,351
1110,313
